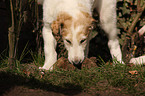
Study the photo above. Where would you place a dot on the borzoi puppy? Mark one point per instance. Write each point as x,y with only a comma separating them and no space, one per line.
75,17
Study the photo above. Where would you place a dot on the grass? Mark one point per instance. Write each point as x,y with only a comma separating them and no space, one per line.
106,78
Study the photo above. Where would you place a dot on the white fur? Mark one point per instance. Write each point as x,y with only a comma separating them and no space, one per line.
51,9
142,30
138,61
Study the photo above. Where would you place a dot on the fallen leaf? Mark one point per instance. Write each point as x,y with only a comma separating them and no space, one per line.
135,85
133,72
41,76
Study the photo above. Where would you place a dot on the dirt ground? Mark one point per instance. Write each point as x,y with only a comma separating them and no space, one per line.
10,87
24,91
13,84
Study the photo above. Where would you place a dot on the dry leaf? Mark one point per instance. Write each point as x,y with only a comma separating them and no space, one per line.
135,85
133,72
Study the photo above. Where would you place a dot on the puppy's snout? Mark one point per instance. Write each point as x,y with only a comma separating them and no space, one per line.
77,63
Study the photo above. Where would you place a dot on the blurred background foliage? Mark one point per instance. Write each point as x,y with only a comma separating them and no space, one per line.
131,18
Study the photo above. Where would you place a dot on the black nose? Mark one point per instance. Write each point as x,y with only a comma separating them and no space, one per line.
78,65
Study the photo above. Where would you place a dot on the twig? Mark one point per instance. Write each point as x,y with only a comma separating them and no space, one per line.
11,37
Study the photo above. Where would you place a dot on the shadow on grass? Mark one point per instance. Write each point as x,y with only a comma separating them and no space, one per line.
9,80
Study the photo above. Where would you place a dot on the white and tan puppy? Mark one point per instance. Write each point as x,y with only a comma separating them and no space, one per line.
75,18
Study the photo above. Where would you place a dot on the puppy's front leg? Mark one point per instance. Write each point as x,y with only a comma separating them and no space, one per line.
49,48
108,23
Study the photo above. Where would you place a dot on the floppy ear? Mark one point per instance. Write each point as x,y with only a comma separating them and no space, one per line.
55,27
61,20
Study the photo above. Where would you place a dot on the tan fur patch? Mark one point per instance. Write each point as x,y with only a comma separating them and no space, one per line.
85,20
63,19
66,27
82,6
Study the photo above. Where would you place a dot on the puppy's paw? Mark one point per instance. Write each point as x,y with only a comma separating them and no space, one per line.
138,61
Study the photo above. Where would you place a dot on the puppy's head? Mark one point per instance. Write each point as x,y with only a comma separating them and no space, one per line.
75,32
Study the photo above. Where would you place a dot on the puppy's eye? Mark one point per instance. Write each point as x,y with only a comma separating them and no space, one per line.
82,41
61,25
68,41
